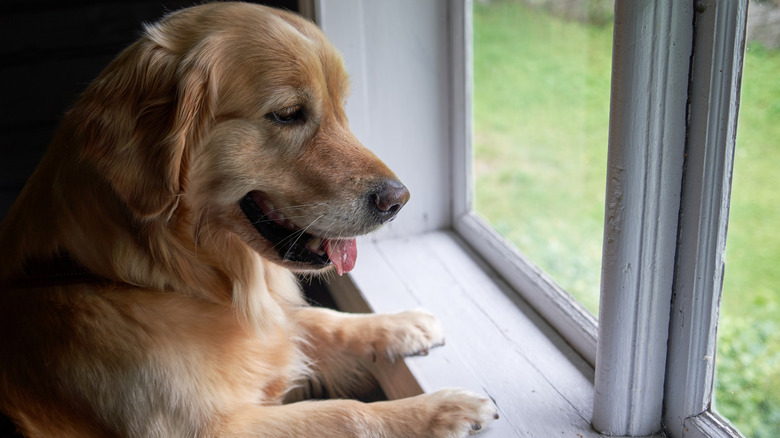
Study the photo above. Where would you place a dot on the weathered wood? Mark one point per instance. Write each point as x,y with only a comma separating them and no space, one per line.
651,54
714,98
495,343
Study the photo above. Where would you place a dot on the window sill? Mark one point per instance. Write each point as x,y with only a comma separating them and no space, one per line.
496,344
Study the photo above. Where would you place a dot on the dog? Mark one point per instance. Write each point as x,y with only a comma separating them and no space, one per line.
148,266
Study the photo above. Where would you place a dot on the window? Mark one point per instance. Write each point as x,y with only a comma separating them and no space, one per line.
651,138
672,123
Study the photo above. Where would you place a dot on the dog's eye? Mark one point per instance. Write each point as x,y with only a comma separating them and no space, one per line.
288,116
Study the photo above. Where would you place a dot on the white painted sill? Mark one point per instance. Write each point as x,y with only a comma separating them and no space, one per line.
495,343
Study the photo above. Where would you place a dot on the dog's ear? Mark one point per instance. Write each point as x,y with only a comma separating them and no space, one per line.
140,116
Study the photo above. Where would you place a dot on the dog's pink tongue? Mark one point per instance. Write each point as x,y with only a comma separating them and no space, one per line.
343,253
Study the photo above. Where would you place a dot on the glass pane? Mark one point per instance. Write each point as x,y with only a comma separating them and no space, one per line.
541,116
747,389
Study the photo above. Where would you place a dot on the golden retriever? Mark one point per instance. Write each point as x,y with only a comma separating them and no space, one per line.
147,266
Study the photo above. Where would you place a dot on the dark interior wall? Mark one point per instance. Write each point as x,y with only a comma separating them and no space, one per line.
50,51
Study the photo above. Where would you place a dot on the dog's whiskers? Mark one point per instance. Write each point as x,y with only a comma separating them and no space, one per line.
310,205
298,234
280,210
261,221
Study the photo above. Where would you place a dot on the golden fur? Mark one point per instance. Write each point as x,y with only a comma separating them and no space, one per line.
181,319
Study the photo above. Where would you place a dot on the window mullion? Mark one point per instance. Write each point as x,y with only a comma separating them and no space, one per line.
714,98
651,53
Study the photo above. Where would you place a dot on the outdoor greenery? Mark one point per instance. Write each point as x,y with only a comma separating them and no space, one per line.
541,114
541,109
748,362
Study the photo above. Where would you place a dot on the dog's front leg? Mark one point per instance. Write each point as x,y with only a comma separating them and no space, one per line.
339,342
446,413
394,335
342,345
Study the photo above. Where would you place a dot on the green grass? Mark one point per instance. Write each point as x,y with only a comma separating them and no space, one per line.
541,109
748,362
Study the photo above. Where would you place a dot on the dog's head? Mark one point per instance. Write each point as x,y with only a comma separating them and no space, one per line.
233,114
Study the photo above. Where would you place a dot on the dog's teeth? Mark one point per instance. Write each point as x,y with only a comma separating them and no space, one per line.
314,245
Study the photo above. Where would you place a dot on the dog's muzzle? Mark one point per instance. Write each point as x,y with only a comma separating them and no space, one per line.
294,244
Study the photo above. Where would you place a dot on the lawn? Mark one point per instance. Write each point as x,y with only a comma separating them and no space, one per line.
748,363
541,113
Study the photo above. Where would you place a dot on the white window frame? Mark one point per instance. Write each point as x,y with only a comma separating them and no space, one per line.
653,350
716,74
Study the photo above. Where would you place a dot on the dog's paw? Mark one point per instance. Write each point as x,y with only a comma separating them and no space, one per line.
458,413
408,333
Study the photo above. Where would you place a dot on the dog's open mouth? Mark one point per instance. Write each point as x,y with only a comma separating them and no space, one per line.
293,243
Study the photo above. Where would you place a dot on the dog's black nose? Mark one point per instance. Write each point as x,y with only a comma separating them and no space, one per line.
388,199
